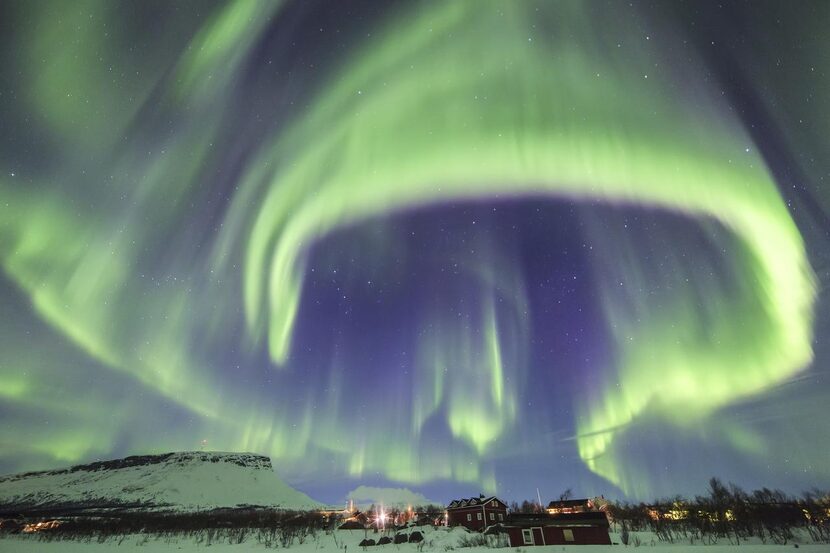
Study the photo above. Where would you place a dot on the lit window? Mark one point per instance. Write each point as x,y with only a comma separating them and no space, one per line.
469,517
569,534
527,536
478,516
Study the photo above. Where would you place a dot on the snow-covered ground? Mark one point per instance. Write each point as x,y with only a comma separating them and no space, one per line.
439,540
185,480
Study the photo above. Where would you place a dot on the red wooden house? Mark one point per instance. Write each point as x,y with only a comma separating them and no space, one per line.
590,528
476,513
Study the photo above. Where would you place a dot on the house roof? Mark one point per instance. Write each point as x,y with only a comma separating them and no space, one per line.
591,518
472,502
567,503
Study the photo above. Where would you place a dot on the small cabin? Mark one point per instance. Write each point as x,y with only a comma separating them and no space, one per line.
476,513
590,528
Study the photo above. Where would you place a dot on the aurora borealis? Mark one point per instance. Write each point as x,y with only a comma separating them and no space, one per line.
449,246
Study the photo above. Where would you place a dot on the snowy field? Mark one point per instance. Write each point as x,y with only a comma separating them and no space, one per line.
437,540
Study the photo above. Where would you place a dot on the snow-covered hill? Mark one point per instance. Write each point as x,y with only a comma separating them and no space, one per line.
181,481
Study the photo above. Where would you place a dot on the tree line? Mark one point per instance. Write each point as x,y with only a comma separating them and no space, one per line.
727,512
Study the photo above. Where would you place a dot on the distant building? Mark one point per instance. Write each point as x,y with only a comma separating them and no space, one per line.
476,513
585,528
356,521
569,506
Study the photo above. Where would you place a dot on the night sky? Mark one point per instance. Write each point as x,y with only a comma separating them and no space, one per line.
448,246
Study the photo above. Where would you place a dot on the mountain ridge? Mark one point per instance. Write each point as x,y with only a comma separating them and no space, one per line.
182,481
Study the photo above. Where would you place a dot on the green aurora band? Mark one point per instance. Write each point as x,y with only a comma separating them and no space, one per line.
449,102
441,128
